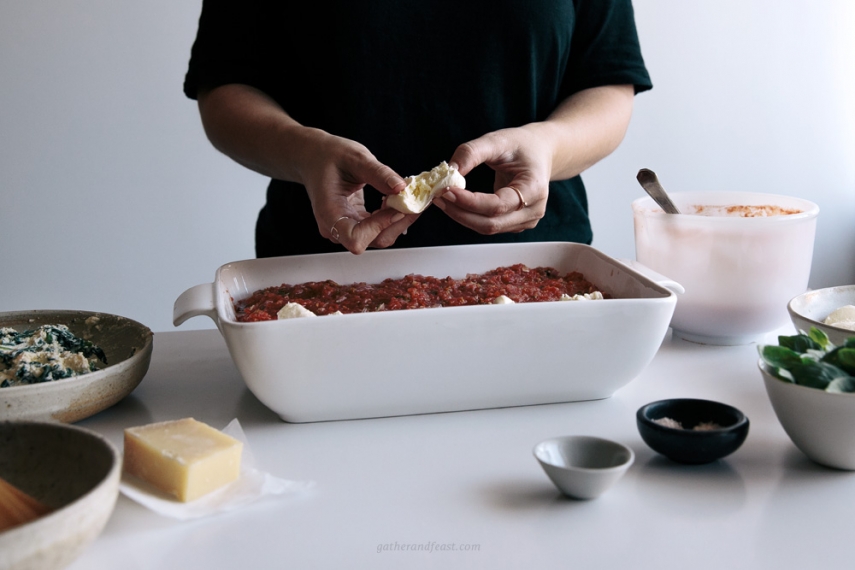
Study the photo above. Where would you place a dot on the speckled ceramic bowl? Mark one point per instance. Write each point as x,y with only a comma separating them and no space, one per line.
68,468
726,429
127,344
810,310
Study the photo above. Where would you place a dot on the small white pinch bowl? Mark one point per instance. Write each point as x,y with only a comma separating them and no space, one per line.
583,467
811,308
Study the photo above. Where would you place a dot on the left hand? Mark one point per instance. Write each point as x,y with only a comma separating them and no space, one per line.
521,160
583,129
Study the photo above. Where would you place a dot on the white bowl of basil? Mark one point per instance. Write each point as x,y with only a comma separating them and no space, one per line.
811,385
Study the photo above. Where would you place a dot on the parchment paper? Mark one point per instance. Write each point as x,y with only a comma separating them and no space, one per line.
252,485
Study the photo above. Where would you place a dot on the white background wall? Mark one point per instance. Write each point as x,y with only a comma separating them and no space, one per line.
113,200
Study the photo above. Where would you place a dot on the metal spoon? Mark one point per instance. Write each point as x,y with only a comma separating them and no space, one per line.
647,179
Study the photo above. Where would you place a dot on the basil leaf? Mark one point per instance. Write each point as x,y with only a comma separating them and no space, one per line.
820,338
813,354
850,342
781,374
843,358
799,343
844,384
816,374
780,356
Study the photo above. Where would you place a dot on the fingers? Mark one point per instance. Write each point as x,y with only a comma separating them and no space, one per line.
522,202
336,190
379,229
490,148
517,203
506,210
378,175
388,236
522,166
335,233
505,200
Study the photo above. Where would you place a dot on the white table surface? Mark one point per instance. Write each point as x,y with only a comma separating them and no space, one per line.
469,479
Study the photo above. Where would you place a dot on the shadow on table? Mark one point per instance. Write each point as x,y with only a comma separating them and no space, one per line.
527,495
251,411
710,490
129,411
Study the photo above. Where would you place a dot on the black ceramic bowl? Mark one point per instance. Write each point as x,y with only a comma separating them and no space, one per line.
707,430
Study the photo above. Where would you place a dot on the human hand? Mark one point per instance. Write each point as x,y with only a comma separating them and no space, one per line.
522,161
335,174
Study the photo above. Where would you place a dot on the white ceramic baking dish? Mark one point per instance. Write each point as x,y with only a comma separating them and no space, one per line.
439,359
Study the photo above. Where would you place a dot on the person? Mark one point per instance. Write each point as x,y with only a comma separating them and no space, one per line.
337,101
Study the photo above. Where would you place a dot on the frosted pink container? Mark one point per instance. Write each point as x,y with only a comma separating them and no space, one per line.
739,272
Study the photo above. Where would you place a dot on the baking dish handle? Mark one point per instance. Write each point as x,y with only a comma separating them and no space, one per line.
658,278
195,301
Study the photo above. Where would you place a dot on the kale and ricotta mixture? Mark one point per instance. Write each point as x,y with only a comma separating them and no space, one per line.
45,354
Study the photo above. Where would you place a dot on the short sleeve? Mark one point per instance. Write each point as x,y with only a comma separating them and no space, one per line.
605,49
228,47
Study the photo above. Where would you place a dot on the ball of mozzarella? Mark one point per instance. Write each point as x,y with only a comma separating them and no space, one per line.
423,188
843,318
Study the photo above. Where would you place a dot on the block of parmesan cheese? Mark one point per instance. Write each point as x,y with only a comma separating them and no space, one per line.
183,458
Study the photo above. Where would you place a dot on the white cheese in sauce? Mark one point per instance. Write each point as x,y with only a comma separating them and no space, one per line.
294,311
595,296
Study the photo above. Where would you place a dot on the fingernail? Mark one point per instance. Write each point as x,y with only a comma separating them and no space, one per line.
394,182
398,217
450,197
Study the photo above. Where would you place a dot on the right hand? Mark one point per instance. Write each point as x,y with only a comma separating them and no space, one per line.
335,172
250,127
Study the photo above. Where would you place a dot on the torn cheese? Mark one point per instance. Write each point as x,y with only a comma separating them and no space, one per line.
595,296
183,458
294,311
423,188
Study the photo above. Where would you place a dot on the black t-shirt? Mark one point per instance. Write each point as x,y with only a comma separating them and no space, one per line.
412,80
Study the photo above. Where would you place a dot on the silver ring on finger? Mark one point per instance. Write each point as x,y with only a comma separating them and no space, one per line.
334,231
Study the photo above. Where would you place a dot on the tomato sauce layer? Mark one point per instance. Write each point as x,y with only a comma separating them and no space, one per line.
518,282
